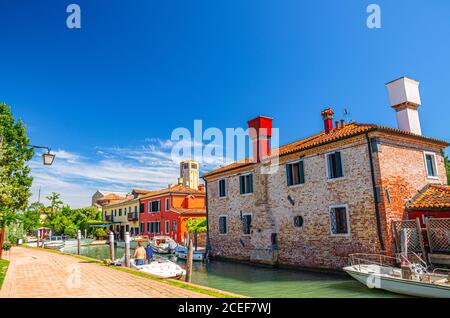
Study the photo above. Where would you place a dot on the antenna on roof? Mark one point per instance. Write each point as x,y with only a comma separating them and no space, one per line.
347,115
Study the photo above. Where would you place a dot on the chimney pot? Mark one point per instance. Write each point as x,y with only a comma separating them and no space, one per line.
327,115
342,123
260,130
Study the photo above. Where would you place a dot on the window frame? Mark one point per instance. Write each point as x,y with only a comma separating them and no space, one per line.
347,218
244,175
150,206
167,203
433,154
167,226
218,188
327,155
226,224
292,163
250,226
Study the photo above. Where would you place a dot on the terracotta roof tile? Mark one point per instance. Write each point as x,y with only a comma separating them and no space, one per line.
432,196
181,189
349,130
140,191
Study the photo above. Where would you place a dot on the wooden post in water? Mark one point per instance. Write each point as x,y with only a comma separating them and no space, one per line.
111,245
190,255
79,242
127,249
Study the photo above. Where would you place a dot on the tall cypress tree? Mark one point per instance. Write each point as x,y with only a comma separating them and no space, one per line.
447,168
15,179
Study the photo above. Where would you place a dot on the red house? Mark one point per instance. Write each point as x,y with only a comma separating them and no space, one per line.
433,201
165,212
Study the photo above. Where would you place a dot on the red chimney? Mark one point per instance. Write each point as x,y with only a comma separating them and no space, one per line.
327,116
260,129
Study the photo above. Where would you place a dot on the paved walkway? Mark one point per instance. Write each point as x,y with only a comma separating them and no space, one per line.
34,273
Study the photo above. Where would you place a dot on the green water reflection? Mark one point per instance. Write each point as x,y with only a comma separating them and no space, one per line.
260,281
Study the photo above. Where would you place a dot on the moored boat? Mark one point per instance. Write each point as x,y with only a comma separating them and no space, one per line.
412,279
163,244
182,251
159,266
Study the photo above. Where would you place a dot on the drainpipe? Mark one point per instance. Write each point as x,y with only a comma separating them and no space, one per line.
375,196
208,245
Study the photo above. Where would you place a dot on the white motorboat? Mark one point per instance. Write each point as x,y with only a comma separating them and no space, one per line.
159,266
412,279
163,244
182,251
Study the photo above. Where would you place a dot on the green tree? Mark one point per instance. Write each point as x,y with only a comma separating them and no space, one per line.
15,179
31,217
99,232
55,201
447,168
197,225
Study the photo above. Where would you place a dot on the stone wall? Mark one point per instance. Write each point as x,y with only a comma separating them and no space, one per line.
311,245
401,170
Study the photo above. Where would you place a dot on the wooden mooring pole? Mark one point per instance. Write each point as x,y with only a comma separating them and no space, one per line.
111,245
79,242
190,255
127,249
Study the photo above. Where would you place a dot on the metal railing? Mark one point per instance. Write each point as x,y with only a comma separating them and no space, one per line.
132,216
438,231
388,266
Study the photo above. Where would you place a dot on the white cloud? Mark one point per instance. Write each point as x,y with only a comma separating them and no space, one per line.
76,177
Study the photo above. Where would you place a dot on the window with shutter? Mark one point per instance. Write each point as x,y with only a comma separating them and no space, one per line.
246,184
334,164
295,173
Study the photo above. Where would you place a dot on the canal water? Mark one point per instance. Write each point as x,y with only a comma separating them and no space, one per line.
257,281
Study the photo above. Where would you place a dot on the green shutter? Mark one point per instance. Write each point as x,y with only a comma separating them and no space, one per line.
241,184
289,174
338,164
250,181
301,172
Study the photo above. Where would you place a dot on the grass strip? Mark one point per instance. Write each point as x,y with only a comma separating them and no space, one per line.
3,268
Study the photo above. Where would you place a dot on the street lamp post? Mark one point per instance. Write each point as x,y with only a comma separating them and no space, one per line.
47,158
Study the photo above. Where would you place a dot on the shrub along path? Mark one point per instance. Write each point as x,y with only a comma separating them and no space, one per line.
35,273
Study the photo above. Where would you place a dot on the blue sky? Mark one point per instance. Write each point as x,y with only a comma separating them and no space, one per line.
107,97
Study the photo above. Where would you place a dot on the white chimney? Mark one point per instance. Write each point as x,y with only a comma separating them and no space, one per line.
404,97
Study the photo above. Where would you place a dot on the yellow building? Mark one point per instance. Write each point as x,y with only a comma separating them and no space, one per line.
124,216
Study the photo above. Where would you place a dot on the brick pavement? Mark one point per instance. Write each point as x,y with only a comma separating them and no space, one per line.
39,274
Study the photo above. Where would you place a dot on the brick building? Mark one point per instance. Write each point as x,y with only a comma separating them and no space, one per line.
167,211
329,194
